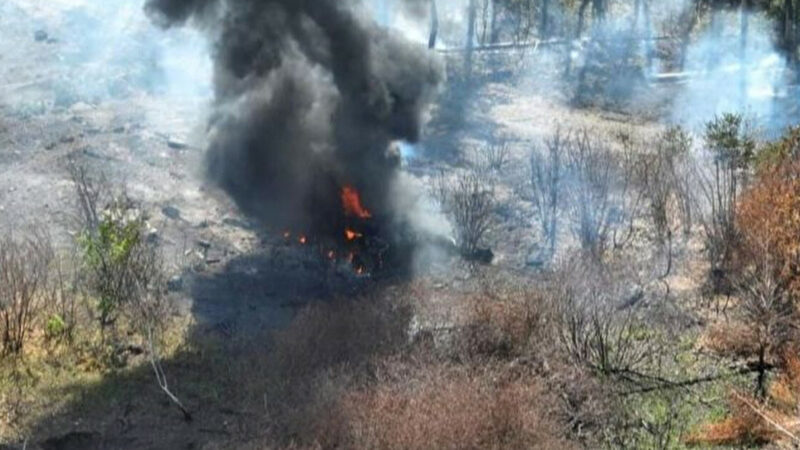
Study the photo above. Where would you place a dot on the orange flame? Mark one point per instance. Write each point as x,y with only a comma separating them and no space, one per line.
352,235
351,201
302,240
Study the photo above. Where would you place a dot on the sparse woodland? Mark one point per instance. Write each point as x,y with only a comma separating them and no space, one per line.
605,283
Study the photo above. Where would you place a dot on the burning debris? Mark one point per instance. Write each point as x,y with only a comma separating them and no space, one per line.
310,96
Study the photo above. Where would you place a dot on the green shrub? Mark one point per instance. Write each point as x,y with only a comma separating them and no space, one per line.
55,327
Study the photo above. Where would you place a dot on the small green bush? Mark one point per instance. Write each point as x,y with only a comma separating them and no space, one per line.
55,327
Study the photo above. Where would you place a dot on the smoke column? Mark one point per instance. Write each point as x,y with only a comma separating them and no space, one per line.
309,97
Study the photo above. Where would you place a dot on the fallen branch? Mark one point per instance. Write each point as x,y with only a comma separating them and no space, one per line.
666,384
543,43
161,378
766,417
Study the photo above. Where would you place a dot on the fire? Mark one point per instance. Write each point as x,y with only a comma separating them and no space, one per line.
352,235
302,240
351,201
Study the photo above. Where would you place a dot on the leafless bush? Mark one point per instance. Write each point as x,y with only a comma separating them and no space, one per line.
496,154
665,180
595,191
469,201
60,297
629,196
596,320
24,271
546,173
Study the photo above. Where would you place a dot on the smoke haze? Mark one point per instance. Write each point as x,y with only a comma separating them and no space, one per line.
310,96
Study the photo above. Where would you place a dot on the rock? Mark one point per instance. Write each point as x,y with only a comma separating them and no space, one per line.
152,236
176,144
171,212
536,259
233,222
40,36
175,283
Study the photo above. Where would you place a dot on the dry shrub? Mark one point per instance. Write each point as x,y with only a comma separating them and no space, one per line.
750,423
24,278
324,335
754,421
446,408
785,390
770,226
733,339
501,327
325,350
743,427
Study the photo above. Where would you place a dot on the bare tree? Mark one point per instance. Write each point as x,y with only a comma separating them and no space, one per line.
720,177
591,171
767,310
664,179
546,172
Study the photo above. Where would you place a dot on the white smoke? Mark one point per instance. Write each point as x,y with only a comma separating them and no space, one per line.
720,78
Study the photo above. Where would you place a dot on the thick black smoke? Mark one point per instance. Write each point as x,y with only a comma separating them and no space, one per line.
310,94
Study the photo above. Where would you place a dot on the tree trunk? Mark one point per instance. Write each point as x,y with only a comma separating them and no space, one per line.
648,34
637,11
789,33
599,10
434,25
470,38
581,18
743,33
692,19
494,34
716,31
544,23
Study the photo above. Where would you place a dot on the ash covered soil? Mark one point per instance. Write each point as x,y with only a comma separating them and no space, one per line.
231,278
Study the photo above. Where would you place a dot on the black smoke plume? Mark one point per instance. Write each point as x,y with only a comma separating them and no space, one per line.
309,96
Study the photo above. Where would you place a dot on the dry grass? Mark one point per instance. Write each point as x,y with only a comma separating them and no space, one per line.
448,408
744,426
759,421
733,339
